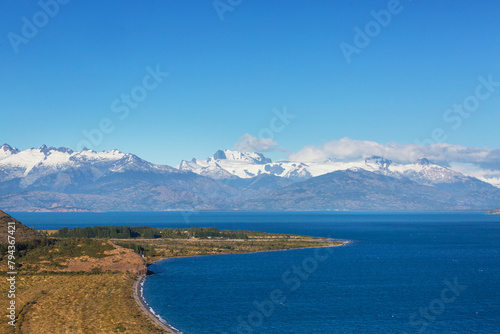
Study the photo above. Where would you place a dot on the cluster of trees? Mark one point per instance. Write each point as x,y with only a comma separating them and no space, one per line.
21,248
208,232
146,250
115,232
39,246
126,232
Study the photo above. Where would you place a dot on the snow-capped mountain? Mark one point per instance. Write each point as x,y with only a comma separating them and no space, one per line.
228,164
425,172
7,151
48,179
33,164
493,179
250,157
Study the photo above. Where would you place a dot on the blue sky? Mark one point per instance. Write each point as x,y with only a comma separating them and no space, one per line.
225,77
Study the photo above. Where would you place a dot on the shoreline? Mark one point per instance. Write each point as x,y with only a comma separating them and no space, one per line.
145,308
168,328
344,243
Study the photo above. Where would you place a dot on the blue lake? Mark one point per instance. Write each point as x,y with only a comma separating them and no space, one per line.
402,273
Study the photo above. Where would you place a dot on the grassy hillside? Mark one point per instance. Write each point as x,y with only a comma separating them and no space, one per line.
78,303
74,285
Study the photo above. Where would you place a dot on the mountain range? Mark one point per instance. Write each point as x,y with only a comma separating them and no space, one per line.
60,179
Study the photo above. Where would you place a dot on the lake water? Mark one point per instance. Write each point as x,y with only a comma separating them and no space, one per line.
402,273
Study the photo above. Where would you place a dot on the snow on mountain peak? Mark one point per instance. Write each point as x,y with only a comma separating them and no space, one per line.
379,161
36,163
253,157
423,162
50,157
47,150
7,147
219,155
6,150
228,164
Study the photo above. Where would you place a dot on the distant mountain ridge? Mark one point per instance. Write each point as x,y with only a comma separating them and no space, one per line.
229,164
357,189
38,179
60,179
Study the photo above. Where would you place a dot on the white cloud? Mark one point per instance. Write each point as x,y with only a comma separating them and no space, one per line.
347,149
249,143
487,175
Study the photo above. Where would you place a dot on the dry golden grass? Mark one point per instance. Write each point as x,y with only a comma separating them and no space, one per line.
100,303
51,300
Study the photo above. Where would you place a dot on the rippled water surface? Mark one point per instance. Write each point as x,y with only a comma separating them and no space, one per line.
403,272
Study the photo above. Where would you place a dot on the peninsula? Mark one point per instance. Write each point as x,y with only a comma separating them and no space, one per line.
88,279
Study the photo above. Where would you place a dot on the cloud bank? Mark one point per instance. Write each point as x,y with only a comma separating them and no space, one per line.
347,149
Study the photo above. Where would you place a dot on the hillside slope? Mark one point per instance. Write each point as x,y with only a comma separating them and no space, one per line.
22,233
362,190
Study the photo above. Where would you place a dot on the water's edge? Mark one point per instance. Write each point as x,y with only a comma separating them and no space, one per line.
138,287
137,292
